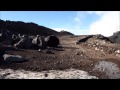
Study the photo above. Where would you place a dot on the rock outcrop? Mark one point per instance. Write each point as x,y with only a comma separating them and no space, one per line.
52,41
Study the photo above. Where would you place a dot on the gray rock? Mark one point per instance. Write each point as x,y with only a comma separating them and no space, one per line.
24,43
39,42
84,39
13,58
117,51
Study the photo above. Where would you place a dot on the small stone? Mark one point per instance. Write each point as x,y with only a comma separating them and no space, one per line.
39,50
46,75
97,44
77,53
101,50
81,55
117,55
104,42
88,44
96,48
118,51
94,45
54,57
49,52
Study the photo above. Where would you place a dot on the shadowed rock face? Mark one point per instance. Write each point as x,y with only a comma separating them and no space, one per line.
99,36
5,36
2,52
0,37
115,38
39,42
52,41
84,39
24,43
15,39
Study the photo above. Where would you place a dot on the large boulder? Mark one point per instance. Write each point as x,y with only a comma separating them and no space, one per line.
39,42
24,43
13,58
5,37
52,41
15,39
101,37
115,38
84,39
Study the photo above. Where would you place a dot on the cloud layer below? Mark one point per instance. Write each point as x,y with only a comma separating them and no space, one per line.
107,23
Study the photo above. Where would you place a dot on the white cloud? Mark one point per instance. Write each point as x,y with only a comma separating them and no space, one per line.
107,24
58,29
74,31
96,12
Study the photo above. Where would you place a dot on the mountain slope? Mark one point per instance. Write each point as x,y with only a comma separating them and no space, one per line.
26,28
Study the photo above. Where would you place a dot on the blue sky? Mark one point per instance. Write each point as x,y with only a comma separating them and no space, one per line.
77,22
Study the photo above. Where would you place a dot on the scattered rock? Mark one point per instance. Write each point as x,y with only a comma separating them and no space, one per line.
118,55
84,39
97,44
39,42
101,50
77,53
24,43
118,51
39,50
48,52
96,48
101,37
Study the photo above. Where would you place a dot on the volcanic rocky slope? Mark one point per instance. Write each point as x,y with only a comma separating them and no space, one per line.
29,28
96,54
